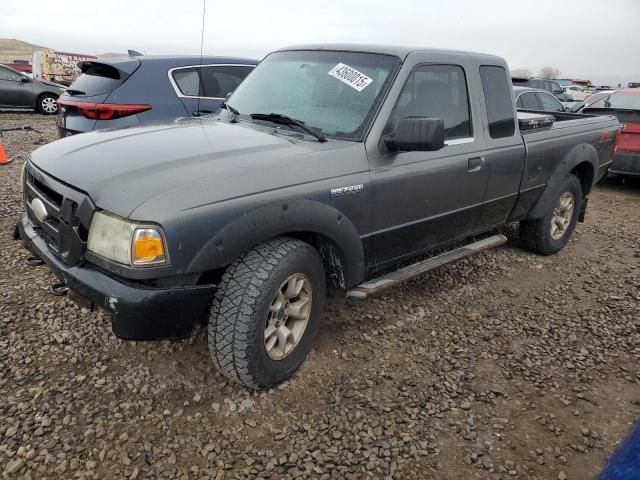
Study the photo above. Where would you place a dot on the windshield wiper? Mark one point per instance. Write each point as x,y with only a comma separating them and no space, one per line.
233,111
284,120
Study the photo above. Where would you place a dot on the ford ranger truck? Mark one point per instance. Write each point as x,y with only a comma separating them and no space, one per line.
342,166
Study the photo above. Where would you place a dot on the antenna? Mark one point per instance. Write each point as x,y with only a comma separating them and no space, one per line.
200,84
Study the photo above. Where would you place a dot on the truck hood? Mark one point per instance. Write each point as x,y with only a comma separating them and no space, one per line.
188,163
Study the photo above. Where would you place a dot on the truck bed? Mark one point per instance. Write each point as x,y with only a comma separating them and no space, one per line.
545,147
560,119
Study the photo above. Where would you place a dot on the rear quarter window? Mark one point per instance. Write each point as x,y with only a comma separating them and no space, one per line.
497,97
528,101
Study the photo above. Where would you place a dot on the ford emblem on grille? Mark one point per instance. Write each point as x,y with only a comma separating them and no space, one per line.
39,209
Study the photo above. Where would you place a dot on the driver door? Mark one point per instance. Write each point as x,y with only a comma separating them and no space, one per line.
424,199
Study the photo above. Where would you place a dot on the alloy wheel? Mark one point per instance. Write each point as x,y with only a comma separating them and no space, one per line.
562,215
288,316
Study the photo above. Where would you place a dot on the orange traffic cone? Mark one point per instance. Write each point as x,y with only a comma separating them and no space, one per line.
3,156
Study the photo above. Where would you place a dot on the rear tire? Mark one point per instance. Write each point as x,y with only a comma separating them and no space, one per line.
260,328
550,234
47,104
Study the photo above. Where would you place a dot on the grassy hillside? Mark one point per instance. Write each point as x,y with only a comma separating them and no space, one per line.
12,49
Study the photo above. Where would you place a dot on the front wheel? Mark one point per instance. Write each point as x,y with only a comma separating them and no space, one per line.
266,312
47,104
550,234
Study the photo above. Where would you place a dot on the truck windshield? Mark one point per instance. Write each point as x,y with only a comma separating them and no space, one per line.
333,92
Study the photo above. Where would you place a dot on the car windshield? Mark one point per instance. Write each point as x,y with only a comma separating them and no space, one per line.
333,92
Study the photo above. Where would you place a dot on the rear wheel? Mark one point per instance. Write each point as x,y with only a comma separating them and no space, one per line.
47,104
266,312
550,234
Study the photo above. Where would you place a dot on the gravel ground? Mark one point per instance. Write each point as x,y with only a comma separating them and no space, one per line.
505,365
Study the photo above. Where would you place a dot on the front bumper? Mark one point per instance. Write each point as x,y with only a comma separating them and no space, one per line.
138,312
626,163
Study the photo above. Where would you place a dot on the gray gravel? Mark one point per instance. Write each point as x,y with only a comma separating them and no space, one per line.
505,365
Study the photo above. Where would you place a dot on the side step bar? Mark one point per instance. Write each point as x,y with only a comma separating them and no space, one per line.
376,285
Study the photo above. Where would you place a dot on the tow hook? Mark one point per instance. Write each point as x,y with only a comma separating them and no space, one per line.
34,262
58,289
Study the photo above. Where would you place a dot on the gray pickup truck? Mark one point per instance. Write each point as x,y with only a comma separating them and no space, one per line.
330,166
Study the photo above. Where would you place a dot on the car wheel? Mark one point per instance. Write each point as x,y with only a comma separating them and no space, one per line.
550,234
47,104
266,312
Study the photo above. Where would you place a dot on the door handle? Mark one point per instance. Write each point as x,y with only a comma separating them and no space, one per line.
474,164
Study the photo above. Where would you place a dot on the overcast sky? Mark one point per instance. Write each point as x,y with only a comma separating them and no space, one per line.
579,37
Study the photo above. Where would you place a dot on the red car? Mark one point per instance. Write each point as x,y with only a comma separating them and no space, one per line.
624,104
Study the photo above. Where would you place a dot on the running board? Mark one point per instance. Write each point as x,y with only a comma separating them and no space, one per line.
376,285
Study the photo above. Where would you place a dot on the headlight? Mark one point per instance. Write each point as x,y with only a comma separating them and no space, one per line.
126,242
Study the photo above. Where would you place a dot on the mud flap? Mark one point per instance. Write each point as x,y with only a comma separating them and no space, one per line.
583,209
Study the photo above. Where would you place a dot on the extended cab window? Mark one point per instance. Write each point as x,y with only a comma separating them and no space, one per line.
436,91
497,97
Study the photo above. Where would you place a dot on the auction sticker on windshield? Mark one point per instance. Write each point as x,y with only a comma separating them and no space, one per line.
350,76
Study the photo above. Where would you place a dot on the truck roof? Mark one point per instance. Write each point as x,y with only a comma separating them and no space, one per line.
397,50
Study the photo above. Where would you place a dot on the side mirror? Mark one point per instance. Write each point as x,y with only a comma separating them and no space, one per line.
568,109
417,134
25,79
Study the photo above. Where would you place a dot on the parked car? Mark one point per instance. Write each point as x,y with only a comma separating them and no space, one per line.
543,84
329,165
625,105
536,99
563,82
634,85
577,107
123,92
576,93
18,90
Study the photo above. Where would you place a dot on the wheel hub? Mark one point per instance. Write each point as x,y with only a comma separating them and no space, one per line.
562,215
288,316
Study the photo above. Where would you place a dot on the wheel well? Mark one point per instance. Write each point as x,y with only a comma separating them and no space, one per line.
584,172
331,254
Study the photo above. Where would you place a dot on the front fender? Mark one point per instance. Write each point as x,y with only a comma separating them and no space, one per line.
581,154
281,218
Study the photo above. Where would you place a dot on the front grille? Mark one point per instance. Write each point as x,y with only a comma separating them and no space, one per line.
67,214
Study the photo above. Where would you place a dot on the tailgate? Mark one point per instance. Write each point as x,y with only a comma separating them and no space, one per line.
98,80
629,138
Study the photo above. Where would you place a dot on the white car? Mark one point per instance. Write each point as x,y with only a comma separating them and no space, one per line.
576,92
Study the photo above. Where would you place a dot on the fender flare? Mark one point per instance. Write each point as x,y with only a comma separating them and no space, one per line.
579,154
281,218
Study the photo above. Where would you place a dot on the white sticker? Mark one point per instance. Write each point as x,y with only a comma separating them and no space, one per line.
350,76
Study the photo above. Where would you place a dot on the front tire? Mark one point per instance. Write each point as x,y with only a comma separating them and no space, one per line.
266,312
551,233
47,104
